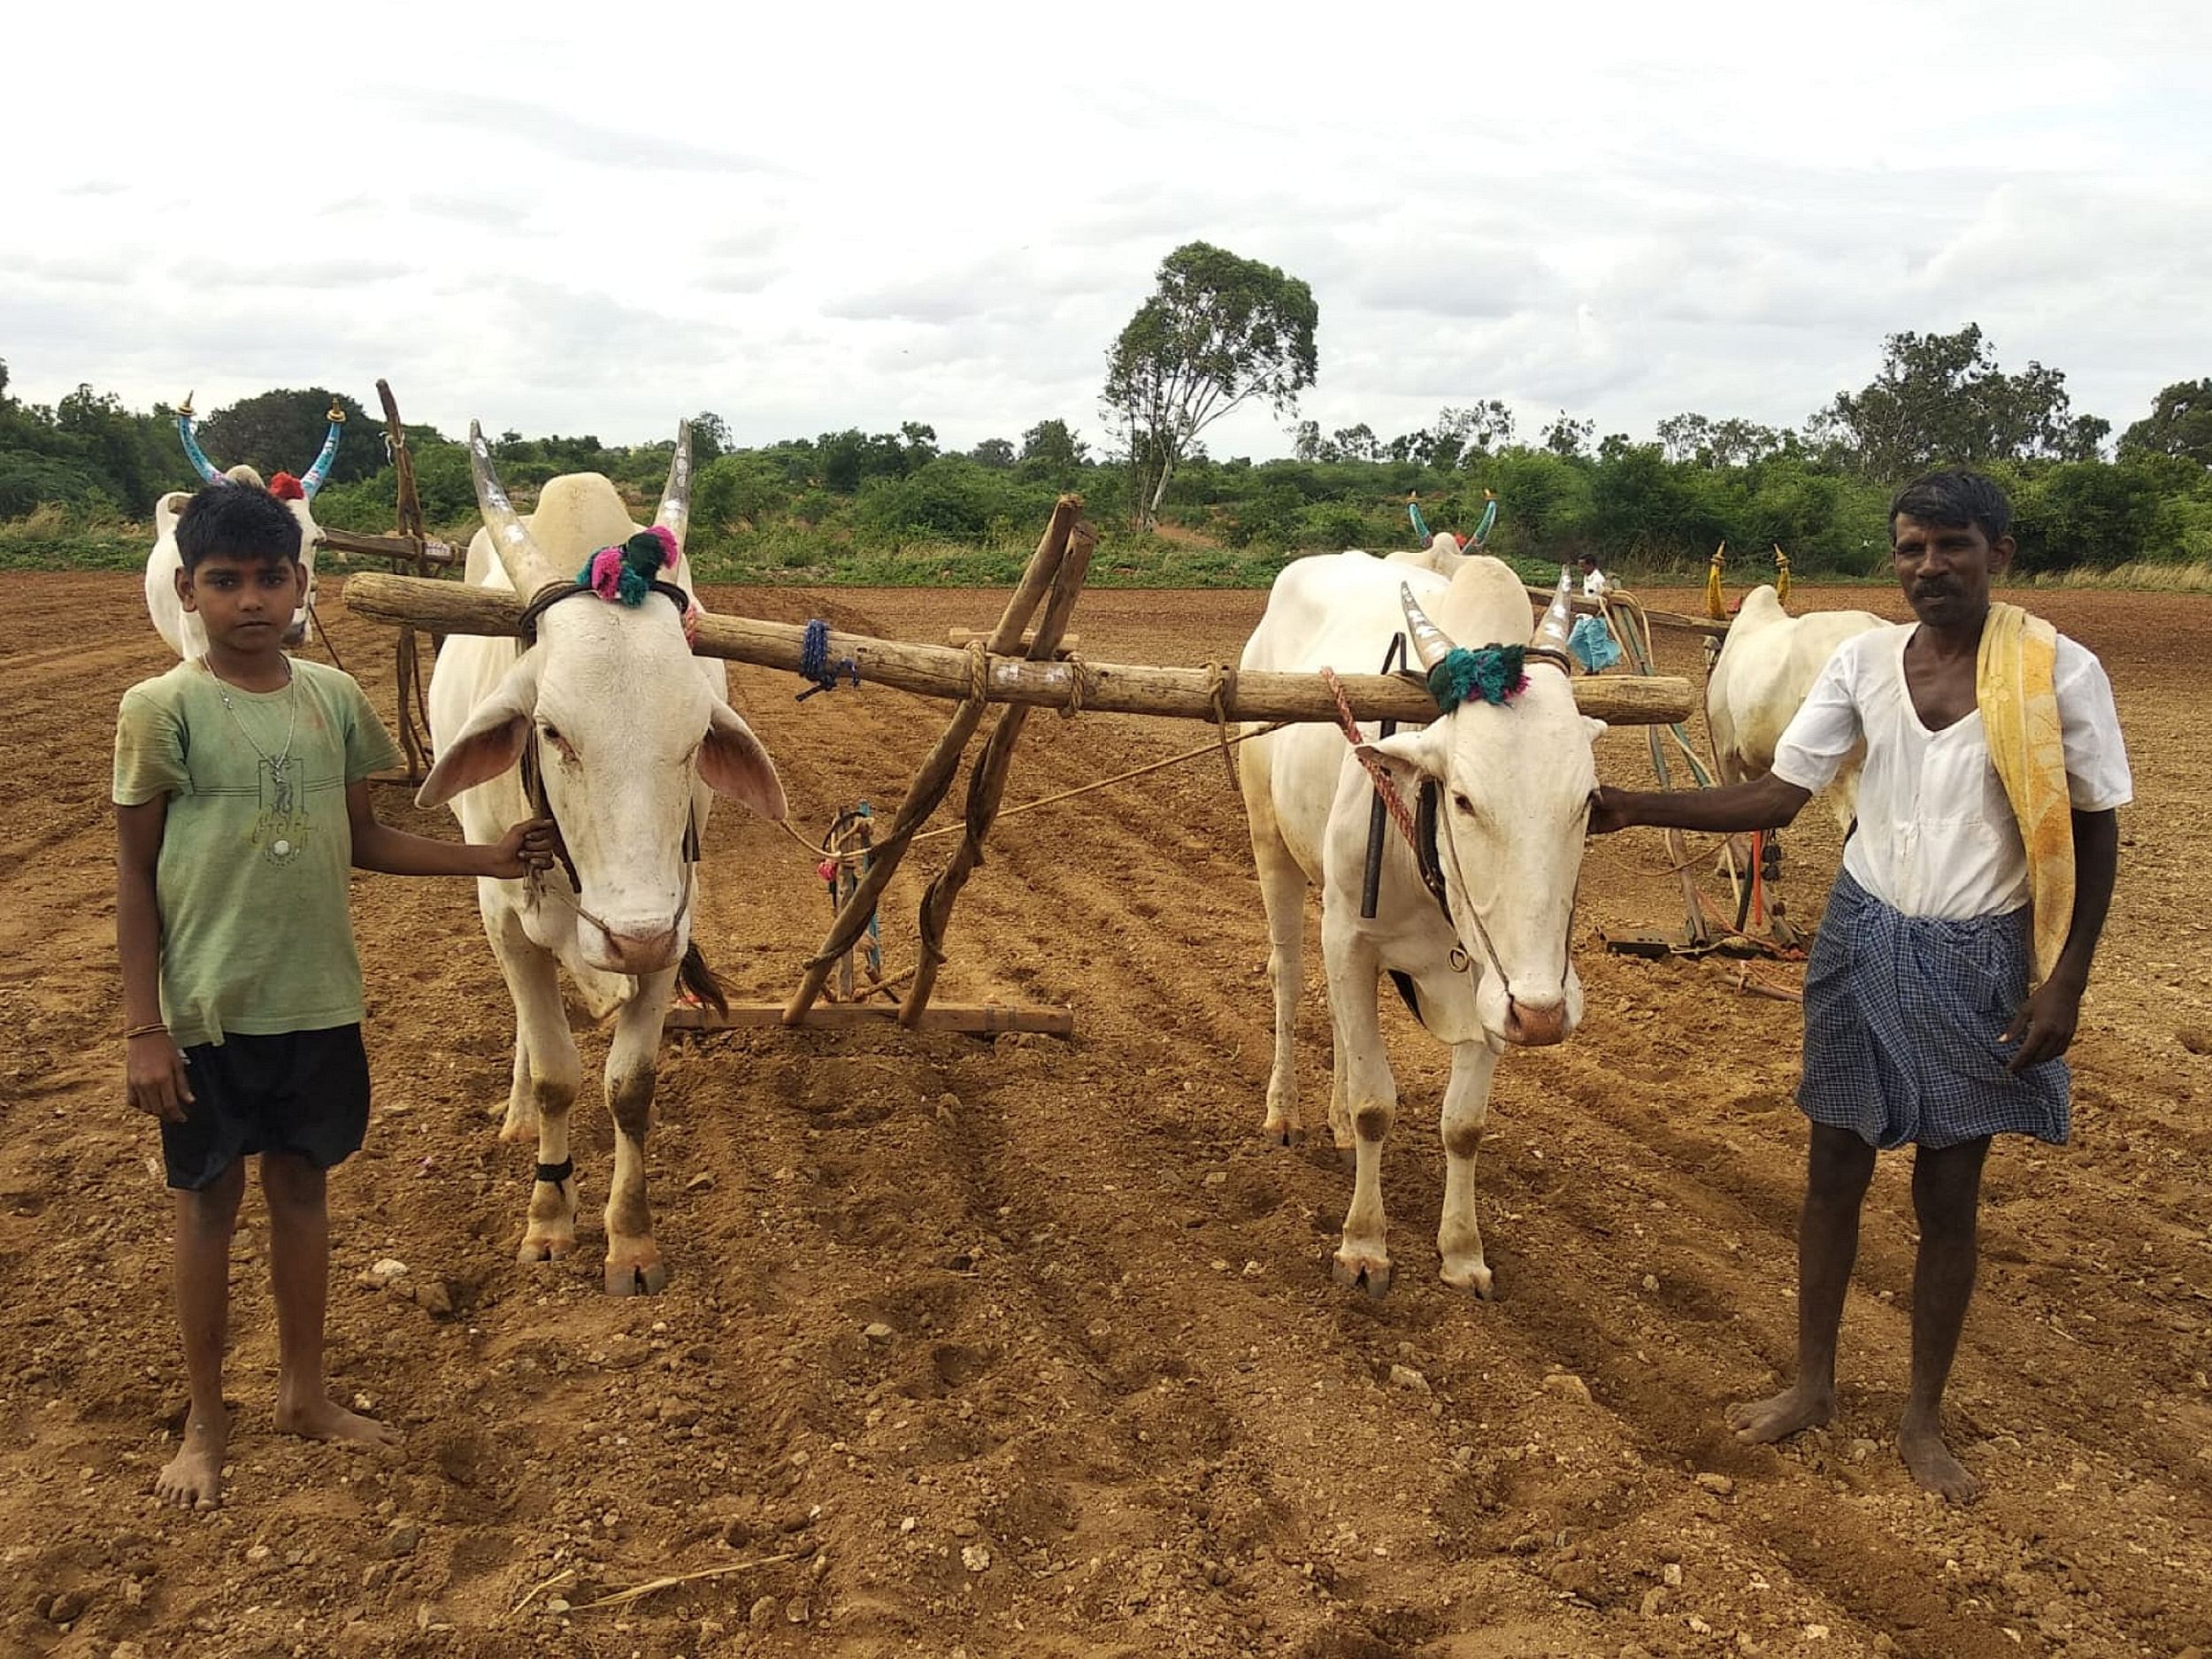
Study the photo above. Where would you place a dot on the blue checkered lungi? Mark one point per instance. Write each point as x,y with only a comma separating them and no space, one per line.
1592,644
1902,1018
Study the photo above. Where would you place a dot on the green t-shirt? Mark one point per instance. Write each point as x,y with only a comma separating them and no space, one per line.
256,847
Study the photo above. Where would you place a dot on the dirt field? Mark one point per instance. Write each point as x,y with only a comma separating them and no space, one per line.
1118,1408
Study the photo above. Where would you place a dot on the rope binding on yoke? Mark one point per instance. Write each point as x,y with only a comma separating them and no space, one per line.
815,665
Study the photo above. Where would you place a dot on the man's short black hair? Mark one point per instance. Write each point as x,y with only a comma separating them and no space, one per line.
1954,498
238,520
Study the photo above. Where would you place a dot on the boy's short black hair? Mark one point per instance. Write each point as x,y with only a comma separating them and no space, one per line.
1954,498
238,520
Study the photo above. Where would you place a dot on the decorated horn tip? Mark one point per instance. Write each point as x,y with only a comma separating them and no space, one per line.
335,414
185,408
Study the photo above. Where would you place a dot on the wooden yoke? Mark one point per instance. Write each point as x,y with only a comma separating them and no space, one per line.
986,784
936,774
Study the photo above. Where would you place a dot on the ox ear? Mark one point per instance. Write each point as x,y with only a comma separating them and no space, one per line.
1410,756
491,741
734,761
1596,727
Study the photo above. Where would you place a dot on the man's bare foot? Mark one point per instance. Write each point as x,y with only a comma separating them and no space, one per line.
193,1479
316,1418
1796,1407
1920,1443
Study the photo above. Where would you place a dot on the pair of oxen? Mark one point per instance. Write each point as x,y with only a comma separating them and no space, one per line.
629,736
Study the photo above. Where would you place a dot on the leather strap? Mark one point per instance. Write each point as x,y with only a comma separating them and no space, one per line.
554,1174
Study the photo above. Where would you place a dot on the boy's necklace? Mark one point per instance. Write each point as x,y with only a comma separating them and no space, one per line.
292,725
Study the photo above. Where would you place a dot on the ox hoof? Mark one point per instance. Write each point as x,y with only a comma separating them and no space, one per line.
535,1248
1280,1134
1369,1273
636,1279
1474,1282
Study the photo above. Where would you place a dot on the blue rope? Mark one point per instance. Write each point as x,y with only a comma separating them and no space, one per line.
814,662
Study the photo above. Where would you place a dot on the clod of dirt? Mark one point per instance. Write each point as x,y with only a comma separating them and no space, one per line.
976,1558
1721,1486
385,1272
1570,1385
402,1540
763,1613
878,1332
2196,1039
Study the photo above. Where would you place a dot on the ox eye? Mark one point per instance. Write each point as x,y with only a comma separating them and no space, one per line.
1462,803
552,733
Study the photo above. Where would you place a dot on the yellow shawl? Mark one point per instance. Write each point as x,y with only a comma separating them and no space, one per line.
2015,686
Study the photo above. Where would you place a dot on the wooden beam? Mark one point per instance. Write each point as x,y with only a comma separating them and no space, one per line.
425,549
1674,619
938,671
976,1018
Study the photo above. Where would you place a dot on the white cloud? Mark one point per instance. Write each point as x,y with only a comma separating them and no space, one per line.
560,218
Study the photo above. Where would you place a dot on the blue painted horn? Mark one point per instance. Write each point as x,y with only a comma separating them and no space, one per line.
200,464
1489,519
314,479
1420,525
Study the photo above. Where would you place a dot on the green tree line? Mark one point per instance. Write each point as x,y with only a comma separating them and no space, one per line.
803,506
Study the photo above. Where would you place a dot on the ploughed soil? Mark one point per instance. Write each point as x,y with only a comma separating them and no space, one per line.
1029,1346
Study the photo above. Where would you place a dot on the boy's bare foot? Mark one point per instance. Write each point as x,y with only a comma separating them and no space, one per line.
1920,1443
193,1479
1796,1407
316,1417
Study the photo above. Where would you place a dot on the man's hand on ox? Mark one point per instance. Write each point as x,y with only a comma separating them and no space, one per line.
1608,811
2044,1025
526,848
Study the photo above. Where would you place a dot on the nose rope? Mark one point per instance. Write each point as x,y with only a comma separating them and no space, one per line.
534,791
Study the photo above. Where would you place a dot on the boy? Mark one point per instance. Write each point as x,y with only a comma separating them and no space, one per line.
1981,865
241,797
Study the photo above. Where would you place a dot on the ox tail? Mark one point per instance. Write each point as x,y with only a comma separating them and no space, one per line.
700,980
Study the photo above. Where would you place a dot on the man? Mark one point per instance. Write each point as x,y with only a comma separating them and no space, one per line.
1591,644
1948,976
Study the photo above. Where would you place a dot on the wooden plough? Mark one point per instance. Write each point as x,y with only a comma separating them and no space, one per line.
1018,664
412,548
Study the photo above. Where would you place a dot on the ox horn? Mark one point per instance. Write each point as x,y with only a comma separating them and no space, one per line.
526,567
1430,643
675,510
1558,622
319,474
207,469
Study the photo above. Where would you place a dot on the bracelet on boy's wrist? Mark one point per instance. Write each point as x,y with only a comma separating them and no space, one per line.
147,1030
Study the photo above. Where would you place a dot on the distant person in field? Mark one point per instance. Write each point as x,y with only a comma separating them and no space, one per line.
1591,642
242,799
1948,976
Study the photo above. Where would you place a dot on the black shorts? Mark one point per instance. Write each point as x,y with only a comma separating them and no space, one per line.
301,1092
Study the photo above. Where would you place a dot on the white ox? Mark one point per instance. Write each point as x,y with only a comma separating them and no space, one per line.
1765,670
185,633
633,735
1514,783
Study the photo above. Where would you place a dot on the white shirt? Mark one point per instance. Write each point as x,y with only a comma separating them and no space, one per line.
1594,584
1936,835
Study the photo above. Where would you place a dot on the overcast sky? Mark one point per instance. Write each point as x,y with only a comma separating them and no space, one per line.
600,217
